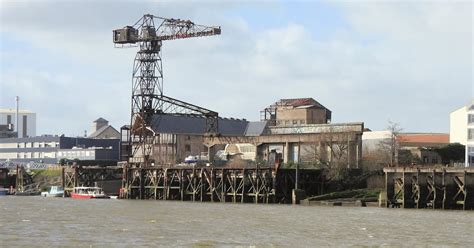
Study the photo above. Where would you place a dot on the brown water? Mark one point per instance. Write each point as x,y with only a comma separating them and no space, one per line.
45,222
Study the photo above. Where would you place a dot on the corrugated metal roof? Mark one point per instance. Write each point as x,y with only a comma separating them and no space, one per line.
195,125
255,128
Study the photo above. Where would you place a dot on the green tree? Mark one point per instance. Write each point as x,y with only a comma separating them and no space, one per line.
452,153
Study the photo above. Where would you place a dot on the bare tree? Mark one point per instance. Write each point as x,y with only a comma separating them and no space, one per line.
330,153
389,147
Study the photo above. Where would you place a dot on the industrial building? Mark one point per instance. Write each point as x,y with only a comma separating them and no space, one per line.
462,130
420,145
26,126
296,130
7,131
49,149
102,130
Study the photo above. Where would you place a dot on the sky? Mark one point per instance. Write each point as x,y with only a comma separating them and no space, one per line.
409,62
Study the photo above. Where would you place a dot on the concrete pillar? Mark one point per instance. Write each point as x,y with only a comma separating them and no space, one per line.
359,151
353,154
469,182
297,195
389,187
407,190
286,152
438,193
211,152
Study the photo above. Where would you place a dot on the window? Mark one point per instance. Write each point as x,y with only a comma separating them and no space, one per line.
187,148
471,149
470,134
470,118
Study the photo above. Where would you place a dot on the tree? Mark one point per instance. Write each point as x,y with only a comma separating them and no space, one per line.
451,153
330,153
389,147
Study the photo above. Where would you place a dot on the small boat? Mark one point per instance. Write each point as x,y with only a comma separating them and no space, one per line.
55,191
196,159
4,191
88,193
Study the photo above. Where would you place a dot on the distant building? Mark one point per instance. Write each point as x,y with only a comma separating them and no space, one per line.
89,153
297,111
7,131
45,149
26,121
372,140
432,140
102,130
420,145
462,130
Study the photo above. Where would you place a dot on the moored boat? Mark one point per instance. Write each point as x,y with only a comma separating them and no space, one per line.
3,191
88,193
55,191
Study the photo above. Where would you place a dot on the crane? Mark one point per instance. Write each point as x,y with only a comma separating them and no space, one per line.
148,99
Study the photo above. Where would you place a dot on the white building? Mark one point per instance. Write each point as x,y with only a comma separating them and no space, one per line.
462,130
371,140
26,121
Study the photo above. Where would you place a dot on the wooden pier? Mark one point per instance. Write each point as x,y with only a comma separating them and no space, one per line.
73,176
215,184
447,188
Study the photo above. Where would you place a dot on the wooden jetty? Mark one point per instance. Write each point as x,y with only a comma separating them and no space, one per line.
435,188
213,184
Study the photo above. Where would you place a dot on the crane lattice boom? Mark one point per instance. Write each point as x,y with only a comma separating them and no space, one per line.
148,99
169,29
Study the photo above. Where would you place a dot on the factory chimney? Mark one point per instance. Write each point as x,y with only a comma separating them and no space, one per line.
17,98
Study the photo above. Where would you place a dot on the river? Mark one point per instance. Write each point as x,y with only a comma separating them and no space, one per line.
44,222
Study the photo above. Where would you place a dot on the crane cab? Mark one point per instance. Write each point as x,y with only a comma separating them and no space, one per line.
148,33
125,35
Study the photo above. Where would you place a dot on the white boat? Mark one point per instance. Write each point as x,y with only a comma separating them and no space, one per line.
197,159
54,191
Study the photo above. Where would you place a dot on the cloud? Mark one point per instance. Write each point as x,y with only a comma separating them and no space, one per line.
409,62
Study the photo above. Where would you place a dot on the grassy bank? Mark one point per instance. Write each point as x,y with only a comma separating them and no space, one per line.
47,177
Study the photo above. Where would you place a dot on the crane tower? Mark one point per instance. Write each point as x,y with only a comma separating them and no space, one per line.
148,99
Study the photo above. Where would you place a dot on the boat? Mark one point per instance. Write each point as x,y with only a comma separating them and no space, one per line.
197,158
54,191
4,191
88,193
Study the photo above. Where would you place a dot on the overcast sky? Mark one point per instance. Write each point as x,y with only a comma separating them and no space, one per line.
409,62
